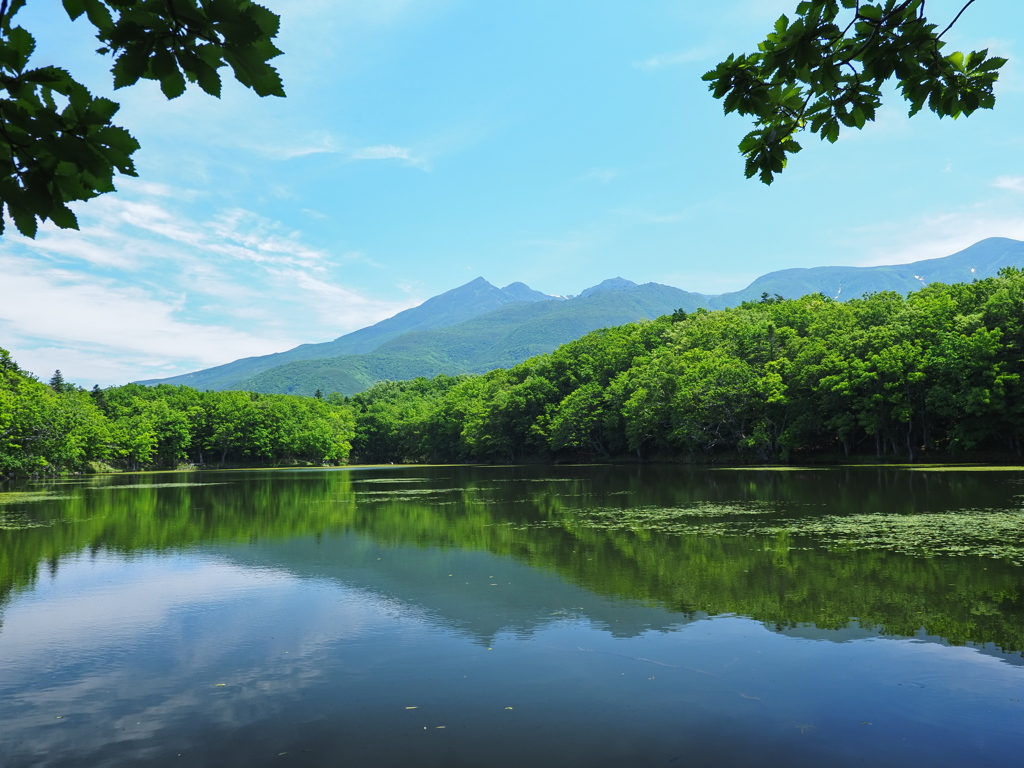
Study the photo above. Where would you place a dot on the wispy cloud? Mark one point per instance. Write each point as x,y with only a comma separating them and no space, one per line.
601,175
151,288
1012,183
390,152
344,149
932,237
674,59
322,145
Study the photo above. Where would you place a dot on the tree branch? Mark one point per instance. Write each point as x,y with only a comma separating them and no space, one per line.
955,20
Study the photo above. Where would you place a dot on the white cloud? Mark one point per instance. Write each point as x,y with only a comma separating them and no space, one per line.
601,175
1012,183
150,288
389,152
344,149
674,59
325,145
105,318
932,237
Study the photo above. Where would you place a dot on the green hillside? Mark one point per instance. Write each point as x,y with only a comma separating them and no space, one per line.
449,308
477,327
500,338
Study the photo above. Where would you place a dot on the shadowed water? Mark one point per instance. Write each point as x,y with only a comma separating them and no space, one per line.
456,616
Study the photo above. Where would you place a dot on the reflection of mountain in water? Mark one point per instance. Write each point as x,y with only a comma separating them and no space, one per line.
473,592
516,524
484,595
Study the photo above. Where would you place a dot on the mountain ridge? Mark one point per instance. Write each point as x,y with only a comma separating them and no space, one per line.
477,327
449,308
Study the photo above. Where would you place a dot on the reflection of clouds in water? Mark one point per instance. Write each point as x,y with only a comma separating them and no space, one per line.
125,654
96,606
108,601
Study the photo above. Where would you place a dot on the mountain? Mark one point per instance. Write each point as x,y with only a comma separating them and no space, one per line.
477,327
497,339
983,259
611,284
449,308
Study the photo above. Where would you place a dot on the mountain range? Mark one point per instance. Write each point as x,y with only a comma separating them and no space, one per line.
478,327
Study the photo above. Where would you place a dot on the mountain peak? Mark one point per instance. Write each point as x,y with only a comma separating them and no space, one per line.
611,284
523,292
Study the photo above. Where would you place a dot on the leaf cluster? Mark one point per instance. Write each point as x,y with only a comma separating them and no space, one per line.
58,144
824,70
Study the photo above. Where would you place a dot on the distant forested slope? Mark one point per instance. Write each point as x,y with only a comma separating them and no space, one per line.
937,373
478,327
450,308
499,338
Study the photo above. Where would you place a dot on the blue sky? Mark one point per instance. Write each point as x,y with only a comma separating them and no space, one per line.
424,143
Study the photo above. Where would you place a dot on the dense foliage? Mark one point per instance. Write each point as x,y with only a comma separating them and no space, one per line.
57,427
937,372
58,143
499,338
827,68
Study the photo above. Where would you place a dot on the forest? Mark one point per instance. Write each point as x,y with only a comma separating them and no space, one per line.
936,374
57,427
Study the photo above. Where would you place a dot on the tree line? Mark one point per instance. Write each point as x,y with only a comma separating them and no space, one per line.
59,427
935,373
938,373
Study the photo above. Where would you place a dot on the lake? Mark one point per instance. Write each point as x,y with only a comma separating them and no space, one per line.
515,616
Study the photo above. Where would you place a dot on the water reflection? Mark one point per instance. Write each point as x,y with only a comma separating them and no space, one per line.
772,578
325,618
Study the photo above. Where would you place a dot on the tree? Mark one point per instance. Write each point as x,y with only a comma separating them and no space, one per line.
57,141
827,67
57,383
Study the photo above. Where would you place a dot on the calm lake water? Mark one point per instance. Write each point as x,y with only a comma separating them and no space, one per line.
514,616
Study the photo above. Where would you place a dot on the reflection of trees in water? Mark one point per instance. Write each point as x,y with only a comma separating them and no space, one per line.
962,599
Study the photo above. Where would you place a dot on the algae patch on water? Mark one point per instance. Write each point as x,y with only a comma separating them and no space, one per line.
156,485
991,533
17,519
994,533
390,480
961,468
28,497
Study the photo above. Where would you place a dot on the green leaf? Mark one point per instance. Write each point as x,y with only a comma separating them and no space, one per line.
165,70
208,78
74,8
19,46
64,218
130,65
23,220
98,14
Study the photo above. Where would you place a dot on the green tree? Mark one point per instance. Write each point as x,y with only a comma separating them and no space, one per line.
826,68
57,141
57,383
578,421
43,430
